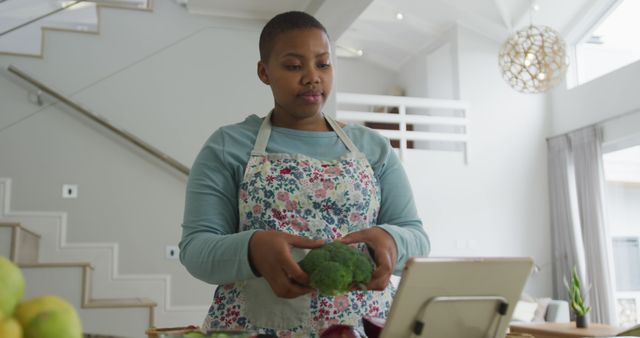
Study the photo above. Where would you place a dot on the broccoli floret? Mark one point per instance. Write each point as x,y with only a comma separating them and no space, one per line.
335,267
314,259
362,270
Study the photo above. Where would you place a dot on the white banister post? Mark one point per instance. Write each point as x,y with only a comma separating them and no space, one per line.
402,110
402,119
466,132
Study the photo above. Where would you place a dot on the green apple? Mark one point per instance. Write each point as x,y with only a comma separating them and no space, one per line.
10,328
48,316
11,286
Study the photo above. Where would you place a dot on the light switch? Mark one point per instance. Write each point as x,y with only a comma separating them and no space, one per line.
172,252
69,191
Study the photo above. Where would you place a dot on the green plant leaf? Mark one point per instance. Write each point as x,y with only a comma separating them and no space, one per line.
574,287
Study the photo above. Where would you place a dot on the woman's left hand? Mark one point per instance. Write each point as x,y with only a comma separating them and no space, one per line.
385,252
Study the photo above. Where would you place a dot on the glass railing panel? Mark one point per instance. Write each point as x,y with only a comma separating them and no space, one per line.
24,36
21,21
14,13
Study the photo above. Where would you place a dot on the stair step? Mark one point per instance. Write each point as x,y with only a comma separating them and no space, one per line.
24,243
100,316
122,302
92,303
56,265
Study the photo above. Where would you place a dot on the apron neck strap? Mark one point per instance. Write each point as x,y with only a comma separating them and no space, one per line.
260,147
342,135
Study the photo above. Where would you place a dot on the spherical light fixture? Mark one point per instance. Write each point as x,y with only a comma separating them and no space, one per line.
533,59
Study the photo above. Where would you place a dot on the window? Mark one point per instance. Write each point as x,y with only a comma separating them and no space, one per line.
626,255
622,197
612,44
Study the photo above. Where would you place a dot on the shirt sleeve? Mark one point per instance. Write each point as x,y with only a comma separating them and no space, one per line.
211,247
398,214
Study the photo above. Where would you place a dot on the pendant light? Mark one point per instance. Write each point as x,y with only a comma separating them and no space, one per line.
533,59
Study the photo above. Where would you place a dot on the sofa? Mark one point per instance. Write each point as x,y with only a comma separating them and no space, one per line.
529,310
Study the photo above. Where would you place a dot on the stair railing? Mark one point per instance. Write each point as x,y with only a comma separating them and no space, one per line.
103,122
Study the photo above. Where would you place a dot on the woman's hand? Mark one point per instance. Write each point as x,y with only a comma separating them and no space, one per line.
385,252
270,254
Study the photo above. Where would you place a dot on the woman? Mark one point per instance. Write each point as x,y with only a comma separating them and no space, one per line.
263,190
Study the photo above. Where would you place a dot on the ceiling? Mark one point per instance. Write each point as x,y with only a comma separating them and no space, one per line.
371,26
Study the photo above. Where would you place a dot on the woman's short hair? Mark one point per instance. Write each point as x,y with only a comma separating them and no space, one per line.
282,23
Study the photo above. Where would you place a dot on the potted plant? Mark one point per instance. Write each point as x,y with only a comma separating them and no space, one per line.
576,300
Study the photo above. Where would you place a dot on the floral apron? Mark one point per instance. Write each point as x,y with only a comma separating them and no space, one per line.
308,197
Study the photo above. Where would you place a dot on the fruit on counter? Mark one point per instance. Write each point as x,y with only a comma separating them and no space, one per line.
195,334
11,287
336,267
40,317
373,326
48,316
10,328
212,334
340,331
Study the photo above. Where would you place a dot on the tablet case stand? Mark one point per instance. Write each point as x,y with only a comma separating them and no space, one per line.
421,322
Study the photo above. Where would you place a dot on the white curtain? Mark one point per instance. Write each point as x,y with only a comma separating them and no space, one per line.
566,232
578,229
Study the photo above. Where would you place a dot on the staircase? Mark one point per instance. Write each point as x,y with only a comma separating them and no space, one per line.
86,274
24,23
72,280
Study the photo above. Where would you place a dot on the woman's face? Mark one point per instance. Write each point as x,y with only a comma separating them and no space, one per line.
299,72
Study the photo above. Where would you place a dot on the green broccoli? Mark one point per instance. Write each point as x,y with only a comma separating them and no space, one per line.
335,267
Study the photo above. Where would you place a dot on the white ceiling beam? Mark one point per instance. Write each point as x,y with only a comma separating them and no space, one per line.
337,15
504,13
524,15
476,22
413,19
586,18
574,24
377,35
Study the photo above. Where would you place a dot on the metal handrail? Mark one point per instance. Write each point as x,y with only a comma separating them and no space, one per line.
40,17
103,122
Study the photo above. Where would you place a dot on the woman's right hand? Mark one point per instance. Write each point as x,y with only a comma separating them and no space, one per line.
270,254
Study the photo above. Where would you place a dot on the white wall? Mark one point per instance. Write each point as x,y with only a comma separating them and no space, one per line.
413,76
357,76
442,76
188,74
497,205
433,73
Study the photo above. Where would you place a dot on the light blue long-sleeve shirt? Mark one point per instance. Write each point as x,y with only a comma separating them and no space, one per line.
213,250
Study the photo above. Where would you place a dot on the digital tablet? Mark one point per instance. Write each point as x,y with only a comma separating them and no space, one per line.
456,297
